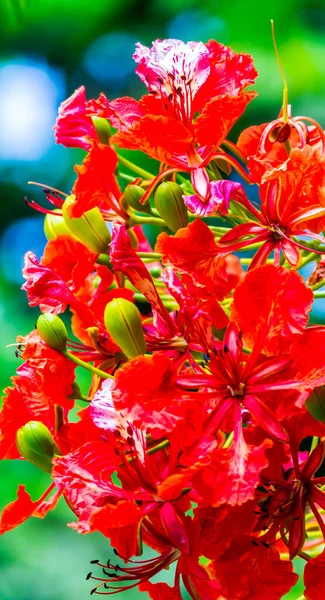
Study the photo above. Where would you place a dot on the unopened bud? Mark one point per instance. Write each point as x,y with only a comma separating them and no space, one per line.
132,197
103,129
55,225
123,323
35,443
90,228
52,330
170,205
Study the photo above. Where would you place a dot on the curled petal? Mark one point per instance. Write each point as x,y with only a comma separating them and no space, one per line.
73,128
220,193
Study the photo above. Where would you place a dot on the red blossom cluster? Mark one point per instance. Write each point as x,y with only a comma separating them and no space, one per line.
202,433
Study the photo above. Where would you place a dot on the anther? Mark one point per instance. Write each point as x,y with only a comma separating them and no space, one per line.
89,575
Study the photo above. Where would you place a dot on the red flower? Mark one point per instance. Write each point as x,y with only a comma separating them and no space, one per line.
183,80
285,495
293,204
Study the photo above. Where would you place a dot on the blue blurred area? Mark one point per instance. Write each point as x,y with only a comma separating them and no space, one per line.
50,47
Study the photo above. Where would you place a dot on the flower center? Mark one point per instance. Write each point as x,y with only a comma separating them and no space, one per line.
238,390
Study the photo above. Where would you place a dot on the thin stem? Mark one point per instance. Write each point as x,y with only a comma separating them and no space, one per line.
314,443
228,440
247,261
126,177
87,366
309,258
285,85
160,446
135,220
135,168
153,255
319,294
234,150
318,285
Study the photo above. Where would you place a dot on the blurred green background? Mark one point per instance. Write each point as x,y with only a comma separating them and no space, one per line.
49,48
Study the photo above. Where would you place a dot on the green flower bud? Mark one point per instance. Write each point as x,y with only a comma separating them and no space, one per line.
90,228
52,330
132,197
54,225
103,129
170,205
35,443
123,322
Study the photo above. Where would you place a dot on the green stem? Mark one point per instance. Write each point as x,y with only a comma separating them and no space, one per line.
319,294
314,443
318,285
216,229
135,220
87,366
153,255
160,446
246,350
135,168
287,147
247,261
228,440
309,258
126,177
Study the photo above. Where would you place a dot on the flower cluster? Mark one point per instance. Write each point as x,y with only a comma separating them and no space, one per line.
202,433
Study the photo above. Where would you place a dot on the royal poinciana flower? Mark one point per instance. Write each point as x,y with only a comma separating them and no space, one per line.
182,80
286,493
197,434
292,205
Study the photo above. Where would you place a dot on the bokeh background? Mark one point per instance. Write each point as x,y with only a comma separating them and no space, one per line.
49,48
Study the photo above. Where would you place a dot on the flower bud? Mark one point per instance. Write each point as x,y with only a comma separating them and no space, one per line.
52,330
103,129
132,196
170,205
35,443
90,228
123,322
54,225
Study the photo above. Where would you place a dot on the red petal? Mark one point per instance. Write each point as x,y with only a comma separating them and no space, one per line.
69,259
265,417
96,184
248,572
314,578
44,287
73,127
158,136
125,259
194,250
160,591
272,303
218,116
21,509
175,528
